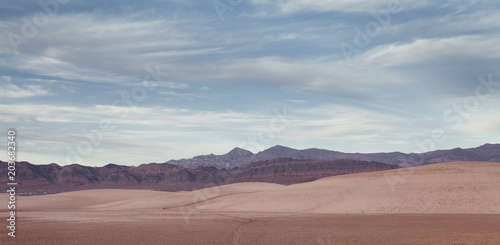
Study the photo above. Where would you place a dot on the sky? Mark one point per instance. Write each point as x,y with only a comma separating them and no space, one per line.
131,82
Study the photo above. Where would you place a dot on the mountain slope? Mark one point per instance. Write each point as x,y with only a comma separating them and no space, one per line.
290,171
45,179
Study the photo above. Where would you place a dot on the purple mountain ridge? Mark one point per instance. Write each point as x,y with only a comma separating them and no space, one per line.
240,157
47,179
278,164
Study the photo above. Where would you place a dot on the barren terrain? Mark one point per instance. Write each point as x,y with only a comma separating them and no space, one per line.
449,203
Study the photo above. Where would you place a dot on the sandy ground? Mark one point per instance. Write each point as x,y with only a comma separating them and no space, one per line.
155,227
450,203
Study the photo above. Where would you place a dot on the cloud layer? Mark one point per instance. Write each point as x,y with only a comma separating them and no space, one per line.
176,81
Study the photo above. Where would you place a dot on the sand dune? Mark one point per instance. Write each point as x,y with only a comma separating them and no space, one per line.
109,199
465,187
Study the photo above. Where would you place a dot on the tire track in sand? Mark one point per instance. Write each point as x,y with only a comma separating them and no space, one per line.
237,231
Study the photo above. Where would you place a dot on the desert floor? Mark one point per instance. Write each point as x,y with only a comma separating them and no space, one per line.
236,228
450,203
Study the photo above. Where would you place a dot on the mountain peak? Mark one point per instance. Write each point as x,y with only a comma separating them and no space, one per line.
238,152
489,146
278,148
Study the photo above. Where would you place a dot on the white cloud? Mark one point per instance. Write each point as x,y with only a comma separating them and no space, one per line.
43,66
460,48
286,7
111,47
327,120
10,90
94,48
483,117
313,75
348,122
451,24
120,115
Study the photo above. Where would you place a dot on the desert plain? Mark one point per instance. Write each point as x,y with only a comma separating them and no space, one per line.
448,203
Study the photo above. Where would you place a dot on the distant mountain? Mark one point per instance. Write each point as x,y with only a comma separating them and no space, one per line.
240,157
235,158
290,171
52,178
278,164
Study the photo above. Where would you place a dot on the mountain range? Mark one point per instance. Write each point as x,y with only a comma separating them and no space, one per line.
46,179
278,164
240,157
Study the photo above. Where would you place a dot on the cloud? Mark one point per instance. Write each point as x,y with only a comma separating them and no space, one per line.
93,47
189,96
337,120
348,122
112,44
120,115
448,24
451,49
312,75
10,90
288,7
395,89
61,71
